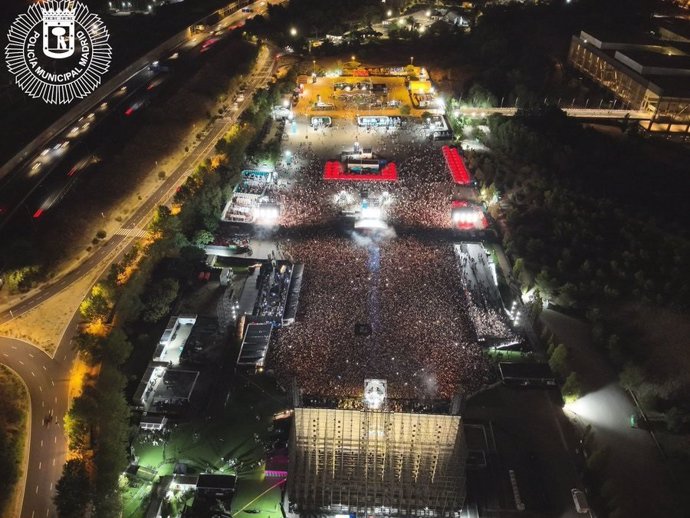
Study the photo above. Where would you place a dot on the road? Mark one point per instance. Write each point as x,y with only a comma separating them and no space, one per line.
46,377
81,136
583,113
48,382
635,465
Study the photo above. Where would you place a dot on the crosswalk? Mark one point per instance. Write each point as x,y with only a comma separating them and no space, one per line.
131,232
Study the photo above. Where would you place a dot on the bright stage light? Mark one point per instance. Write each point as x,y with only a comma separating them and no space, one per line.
266,214
370,224
371,213
466,216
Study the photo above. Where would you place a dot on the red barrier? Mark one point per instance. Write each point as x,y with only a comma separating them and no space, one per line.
456,165
333,170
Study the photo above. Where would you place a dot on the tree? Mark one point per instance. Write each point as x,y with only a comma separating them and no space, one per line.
518,266
90,346
677,419
597,460
572,388
72,492
117,348
559,361
157,302
97,305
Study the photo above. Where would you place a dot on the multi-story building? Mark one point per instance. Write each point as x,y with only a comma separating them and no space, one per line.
376,461
644,73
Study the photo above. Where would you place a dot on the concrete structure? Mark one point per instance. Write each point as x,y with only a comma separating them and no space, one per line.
363,462
643,73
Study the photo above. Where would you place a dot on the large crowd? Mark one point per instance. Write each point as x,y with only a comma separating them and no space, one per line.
408,293
408,289
421,198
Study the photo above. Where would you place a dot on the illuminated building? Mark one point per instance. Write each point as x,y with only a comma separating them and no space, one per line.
376,461
643,73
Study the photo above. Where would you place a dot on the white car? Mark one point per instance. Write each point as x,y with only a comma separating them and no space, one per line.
239,98
580,501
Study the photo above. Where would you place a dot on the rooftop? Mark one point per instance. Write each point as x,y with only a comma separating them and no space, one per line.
675,29
643,61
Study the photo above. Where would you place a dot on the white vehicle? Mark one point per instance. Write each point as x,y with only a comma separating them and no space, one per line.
240,98
580,501
35,167
45,151
73,132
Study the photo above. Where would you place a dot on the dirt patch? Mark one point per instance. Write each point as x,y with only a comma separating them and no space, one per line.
44,325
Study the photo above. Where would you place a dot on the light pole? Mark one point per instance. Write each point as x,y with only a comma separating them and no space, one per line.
411,60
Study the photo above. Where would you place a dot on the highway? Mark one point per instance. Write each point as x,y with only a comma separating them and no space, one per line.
46,377
44,177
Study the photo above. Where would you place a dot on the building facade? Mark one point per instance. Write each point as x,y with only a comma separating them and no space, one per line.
362,462
644,74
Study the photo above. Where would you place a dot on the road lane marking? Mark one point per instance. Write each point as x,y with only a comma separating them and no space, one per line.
21,362
33,374
52,382
31,355
40,388
56,400
51,486
44,368
6,355
55,439
48,508
53,461
36,489
41,443
40,464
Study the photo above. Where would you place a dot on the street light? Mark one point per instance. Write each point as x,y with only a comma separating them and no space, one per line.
411,60
389,13
293,31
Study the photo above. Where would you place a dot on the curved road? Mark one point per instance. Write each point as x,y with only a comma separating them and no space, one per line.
48,378
48,382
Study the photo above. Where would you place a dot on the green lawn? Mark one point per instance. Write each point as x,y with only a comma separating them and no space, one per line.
208,442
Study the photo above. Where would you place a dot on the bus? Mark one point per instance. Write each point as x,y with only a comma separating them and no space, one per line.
373,121
320,122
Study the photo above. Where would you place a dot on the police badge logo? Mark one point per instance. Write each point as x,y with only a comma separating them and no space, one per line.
58,51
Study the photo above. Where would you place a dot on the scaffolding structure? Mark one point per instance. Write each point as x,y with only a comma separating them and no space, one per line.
376,462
